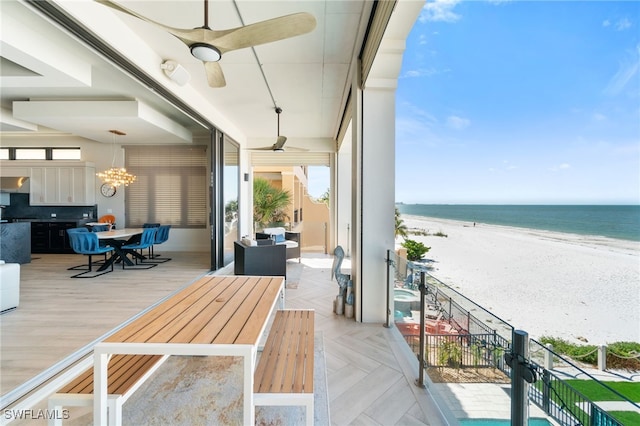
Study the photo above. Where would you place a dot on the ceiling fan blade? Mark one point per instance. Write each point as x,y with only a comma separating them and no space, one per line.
215,77
187,36
295,148
263,32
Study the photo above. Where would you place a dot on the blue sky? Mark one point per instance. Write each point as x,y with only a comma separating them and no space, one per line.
522,102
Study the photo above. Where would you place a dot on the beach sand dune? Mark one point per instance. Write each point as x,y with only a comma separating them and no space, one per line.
546,283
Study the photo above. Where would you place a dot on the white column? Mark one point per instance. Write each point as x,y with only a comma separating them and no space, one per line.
373,166
377,196
341,204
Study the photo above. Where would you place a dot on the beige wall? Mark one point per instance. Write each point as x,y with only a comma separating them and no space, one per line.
315,237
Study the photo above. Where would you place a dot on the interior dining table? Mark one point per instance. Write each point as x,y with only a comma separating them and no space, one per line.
116,238
214,316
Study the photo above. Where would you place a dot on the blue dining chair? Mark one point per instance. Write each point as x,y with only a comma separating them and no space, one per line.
87,243
83,266
146,241
82,229
161,236
100,228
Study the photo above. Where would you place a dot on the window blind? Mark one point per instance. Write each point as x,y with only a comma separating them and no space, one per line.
170,188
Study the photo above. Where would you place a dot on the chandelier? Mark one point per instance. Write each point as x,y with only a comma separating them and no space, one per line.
116,176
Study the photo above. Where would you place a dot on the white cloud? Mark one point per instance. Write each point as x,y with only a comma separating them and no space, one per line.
627,70
563,166
623,24
414,126
599,116
439,10
421,72
458,123
606,23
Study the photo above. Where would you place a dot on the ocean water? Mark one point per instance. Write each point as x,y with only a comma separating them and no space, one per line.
620,222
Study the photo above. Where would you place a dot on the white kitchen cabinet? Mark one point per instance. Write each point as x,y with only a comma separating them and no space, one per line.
56,183
62,186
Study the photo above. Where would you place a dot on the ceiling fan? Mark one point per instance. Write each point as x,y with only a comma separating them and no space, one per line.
209,45
279,145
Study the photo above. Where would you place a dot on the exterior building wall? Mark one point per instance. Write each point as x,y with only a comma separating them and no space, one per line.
306,216
316,226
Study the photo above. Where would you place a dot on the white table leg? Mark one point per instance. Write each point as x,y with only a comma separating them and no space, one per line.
249,415
282,298
100,388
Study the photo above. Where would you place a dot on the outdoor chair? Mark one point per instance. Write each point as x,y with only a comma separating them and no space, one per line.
87,243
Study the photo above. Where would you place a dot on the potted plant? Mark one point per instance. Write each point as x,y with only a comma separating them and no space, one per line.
269,203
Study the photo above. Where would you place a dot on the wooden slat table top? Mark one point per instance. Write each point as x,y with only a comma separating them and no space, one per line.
212,310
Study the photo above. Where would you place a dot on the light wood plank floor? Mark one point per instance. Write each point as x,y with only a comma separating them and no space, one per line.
370,376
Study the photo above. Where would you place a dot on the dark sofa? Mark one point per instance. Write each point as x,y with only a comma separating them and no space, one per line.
265,259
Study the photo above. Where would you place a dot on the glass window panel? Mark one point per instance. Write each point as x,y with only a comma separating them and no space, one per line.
4,153
65,154
231,192
31,154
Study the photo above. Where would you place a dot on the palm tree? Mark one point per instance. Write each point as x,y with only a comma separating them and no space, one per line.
269,203
401,228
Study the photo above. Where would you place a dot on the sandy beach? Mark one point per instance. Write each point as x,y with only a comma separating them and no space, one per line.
547,283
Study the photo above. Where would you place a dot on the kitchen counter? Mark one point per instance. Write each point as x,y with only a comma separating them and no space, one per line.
15,242
50,235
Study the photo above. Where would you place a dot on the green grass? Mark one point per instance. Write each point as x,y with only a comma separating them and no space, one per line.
627,418
595,392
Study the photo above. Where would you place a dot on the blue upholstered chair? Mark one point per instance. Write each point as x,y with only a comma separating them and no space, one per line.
161,236
87,243
146,241
100,228
82,229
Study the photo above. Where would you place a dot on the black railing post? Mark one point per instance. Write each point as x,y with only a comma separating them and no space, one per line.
421,363
387,322
546,391
519,387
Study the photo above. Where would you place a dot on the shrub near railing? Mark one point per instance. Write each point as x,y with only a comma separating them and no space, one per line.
620,355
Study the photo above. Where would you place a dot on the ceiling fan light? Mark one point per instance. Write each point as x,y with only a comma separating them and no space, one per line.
278,150
205,52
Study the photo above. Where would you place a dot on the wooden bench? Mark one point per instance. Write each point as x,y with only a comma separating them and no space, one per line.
126,374
284,375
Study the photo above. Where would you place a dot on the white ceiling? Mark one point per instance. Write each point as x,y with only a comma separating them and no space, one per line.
79,93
